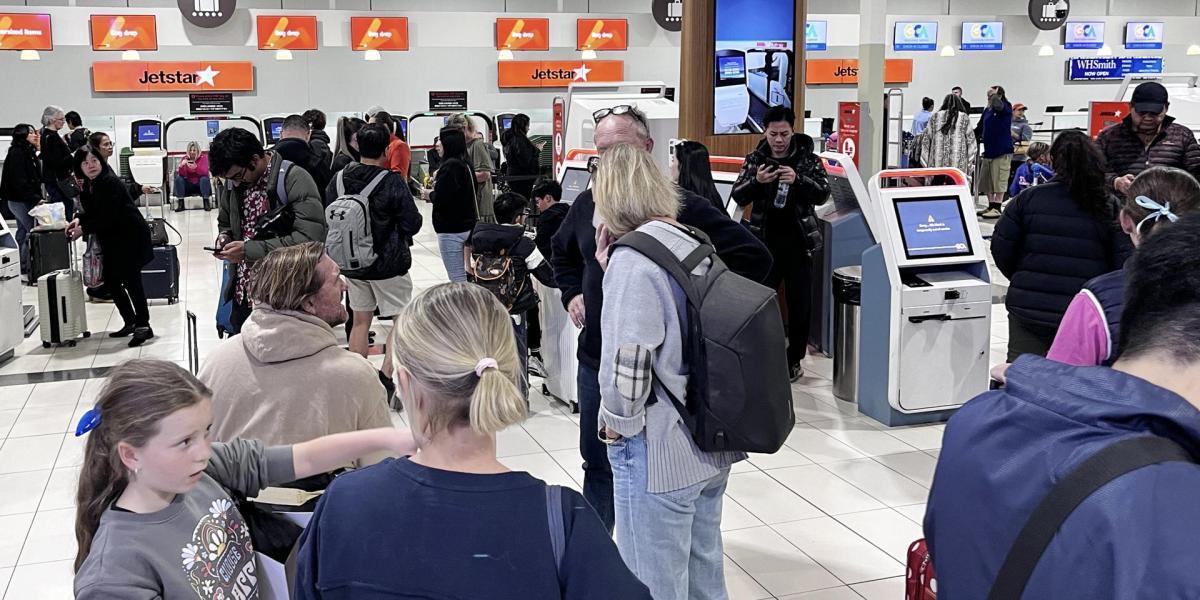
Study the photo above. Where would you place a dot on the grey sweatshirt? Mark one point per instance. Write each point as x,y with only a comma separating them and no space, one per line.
640,326
198,546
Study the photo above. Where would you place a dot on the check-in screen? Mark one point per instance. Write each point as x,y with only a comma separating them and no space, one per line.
932,227
574,181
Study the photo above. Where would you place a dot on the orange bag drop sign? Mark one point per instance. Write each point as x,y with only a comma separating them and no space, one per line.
124,32
844,71
379,33
601,34
557,73
522,34
287,32
1102,115
25,31
141,76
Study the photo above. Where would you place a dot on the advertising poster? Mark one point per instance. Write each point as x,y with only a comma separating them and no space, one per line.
522,34
983,36
849,114
1112,67
379,33
816,36
601,34
915,37
25,31
1102,115
755,62
290,32
1144,36
1083,35
124,32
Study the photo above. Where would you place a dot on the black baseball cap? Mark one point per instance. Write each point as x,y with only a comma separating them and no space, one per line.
1150,97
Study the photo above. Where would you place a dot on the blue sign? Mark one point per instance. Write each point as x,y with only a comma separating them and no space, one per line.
1083,35
1144,36
816,36
213,127
983,36
1106,68
914,36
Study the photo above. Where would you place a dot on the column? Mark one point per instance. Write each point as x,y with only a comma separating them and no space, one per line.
872,34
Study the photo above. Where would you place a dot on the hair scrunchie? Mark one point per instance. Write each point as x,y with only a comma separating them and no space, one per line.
485,364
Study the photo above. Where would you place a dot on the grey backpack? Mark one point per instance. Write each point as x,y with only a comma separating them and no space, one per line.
350,242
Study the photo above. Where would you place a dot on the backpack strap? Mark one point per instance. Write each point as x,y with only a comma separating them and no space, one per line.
341,184
648,246
1094,473
558,528
367,191
281,181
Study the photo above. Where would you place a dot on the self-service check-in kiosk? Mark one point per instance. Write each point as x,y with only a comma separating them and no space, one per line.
272,131
926,299
146,164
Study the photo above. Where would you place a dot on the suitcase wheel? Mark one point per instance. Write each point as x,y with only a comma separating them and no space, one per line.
87,334
45,344
172,300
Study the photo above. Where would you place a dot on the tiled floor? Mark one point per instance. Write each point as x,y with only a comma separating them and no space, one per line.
829,517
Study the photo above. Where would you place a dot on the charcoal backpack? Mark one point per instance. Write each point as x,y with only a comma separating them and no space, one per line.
739,396
349,241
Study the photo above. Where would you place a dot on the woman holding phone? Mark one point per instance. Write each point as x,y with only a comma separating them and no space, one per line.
192,178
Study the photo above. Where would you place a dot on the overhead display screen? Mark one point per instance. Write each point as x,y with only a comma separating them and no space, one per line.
1144,36
755,38
124,32
915,36
983,36
1083,35
25,31
816,36
932,227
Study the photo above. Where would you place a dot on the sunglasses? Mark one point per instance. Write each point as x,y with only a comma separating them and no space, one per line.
620,109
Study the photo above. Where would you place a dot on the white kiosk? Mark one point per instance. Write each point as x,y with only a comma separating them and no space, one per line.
146,164
649,97
926,299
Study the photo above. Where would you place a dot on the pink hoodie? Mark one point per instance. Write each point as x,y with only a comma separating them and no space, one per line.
193,174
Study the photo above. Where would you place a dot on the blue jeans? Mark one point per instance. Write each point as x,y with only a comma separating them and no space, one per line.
451,247
597,475
181,187
24,224
670,540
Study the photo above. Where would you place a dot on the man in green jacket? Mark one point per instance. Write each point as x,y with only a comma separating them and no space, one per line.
256,212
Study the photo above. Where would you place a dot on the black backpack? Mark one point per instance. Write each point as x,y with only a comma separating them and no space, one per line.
739,397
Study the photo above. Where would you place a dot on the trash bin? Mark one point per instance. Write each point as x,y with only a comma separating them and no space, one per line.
847,302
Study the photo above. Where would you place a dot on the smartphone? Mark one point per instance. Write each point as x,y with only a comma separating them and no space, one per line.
212,249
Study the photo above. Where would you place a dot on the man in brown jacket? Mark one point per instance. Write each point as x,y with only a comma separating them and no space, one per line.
1146,138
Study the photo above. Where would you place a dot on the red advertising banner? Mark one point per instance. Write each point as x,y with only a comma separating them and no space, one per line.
25,31
522,34
557,73
1102,115
849,114
287,32
142,76
124,32
558,142
601,34
379,33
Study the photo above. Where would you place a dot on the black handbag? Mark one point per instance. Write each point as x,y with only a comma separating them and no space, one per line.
68,187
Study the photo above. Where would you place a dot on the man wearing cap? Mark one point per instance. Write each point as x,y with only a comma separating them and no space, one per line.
1021,131
1145,138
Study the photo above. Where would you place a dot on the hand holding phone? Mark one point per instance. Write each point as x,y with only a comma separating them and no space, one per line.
212,249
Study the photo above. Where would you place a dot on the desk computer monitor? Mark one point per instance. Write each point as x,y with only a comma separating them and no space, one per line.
1054,109
574,181
932,227
146,134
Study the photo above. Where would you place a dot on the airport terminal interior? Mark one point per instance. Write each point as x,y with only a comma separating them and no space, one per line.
906,287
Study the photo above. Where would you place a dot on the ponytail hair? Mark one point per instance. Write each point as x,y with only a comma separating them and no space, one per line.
456,341
138,395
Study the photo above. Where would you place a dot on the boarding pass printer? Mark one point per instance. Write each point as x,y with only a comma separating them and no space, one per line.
924,341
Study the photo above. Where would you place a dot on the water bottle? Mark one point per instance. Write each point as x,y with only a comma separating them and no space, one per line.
782,194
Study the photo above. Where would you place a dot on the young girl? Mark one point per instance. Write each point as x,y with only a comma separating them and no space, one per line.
1088,334
154,517
1036,169
452,521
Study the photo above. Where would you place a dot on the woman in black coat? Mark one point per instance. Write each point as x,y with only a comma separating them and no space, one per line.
21,183
110,215
56,159
1052,238
453,198
521,156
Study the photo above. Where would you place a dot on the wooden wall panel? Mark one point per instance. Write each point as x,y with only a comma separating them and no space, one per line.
696,80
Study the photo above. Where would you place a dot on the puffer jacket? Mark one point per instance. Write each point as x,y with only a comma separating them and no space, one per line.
810,189
1126,154
318,141
1048,247
21,180
304,198
394,218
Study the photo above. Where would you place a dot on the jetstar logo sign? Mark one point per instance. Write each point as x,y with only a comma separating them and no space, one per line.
132,76
557,73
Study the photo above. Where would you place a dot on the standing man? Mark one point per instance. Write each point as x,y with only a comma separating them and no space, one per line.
1021,131
293,145
996,165
921,119
957,91
581,279
1146,138
782,180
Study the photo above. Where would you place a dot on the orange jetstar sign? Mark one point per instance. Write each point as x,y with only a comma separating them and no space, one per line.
557,73
523,34
601,34
379,33
136,76
25,31
845,71
124,32
287,32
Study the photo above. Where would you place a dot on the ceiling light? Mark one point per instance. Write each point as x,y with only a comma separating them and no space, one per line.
947,50
505,54
1104,50
1193,50
1046,50
30,55
588,54
283,55
372,55
131,55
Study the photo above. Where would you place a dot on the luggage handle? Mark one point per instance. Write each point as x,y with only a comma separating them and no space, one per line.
193,345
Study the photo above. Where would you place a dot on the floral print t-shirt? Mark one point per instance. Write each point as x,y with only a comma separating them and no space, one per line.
255,205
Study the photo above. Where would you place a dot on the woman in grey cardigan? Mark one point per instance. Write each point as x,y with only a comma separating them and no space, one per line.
667,492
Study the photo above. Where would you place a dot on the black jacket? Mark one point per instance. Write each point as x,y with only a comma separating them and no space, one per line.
521,160
548,224
1126,153
78,138
510,240
782,225
453,198
1048,247
55,155
110,215
394,218
577,272
21,180
298,151
341,161
318,142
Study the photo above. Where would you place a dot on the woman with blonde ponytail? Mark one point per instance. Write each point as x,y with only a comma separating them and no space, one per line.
452,521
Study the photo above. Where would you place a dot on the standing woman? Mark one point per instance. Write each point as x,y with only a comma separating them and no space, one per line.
948,141
347,145
21,183
56,160
691,169
453,198
521,156
109,214
481,162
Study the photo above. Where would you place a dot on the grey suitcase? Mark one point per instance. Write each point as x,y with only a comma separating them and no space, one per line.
63,312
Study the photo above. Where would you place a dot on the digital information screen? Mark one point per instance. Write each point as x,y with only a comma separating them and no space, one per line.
755,61
983,36
574,181
276,130
149,134
1083,35
932,227
910,36
1144,36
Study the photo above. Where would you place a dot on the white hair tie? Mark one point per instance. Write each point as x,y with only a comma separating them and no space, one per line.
485,364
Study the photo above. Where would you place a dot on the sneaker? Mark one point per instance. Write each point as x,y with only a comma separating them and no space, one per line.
140,335
536,367
122,332
990,213
795,372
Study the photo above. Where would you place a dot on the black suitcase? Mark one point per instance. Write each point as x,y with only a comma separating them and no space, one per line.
48,252
160,277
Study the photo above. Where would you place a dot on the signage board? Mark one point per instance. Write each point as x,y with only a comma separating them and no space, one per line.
816,36
124,32
1112,67
1083,35
848,129
1048,15
557,73
919,36
172,76
601,34
449,100
523,34
207,13
844,71
287,32
1144,36
210,103
379,33
988,35
1102,115
25,31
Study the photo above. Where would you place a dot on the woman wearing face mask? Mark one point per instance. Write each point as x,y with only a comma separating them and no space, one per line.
21,183
109,213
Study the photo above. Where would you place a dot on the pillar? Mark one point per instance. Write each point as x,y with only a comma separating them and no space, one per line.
872,33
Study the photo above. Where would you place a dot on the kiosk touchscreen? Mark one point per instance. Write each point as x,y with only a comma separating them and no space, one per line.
146,134
146,163
575,179
272,130
926,285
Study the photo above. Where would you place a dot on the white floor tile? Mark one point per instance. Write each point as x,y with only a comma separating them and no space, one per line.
29,453
60,490
837,593
45,581
56,393
882,483
917,466
774,563
71,454
921,437
740,585
42,420
887,529
884,589
862,436
785,457
20,492
767,499
15,527
514,441
914,513
735,516
553,432
825,490
851,558
51,537
13,397
5,575
7,418
818,447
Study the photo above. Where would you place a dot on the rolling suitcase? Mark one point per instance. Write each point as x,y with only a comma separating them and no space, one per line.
160,277
48,252
63,312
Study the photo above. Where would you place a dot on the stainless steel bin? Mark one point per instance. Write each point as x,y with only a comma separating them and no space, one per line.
847,300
